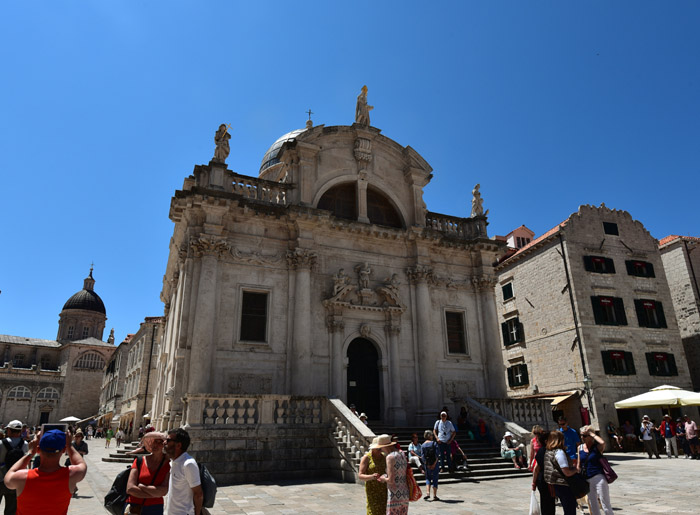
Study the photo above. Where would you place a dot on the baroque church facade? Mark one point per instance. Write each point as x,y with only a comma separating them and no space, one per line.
326,275
47,380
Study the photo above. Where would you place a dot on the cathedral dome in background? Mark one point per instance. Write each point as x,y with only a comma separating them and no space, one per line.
87,300
270,157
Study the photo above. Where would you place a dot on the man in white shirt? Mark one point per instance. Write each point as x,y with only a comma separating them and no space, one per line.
444,433
649,438
185,494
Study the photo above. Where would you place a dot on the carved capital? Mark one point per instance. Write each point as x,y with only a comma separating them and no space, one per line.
209,246
392,329
335,324
483,283
301,258
420,273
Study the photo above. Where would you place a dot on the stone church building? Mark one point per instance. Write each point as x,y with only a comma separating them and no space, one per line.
327,275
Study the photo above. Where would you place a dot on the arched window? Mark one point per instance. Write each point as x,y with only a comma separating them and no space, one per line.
47,394
90,360
380,210
341,201
19,392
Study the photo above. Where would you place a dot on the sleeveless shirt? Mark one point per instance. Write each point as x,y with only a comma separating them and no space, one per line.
45,494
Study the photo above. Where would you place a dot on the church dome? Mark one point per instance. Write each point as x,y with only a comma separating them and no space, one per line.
86,298
271,156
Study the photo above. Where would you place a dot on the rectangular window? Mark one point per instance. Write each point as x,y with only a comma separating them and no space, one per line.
507,291
254,317
640,268
86,332
456,337
517,376
598,264
610,228
512,331
18,361
618,363
650,313
661,364
608,311
70,331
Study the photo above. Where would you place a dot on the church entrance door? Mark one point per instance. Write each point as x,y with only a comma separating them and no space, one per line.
363,378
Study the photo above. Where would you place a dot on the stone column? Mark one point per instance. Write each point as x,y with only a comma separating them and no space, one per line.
362,198
203,348
396,411
302,260
427,384
336,328
493,358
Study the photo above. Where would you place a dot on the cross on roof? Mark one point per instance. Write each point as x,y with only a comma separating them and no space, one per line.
309,112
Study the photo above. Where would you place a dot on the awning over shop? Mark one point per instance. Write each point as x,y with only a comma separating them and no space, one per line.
561,398
86,419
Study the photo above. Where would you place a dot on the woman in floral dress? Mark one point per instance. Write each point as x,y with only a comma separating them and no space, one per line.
372,467
395,479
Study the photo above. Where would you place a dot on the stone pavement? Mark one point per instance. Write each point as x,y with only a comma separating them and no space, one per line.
644,486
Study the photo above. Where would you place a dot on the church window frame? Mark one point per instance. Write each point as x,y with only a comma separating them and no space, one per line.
86,332
18,360
48,394
19,393
70,332
90,360
455,327
251,321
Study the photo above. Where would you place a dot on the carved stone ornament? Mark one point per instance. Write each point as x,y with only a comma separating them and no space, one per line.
421,273
255,257
209,246
484,283
335,323
363,150
365,330
364,272
301,258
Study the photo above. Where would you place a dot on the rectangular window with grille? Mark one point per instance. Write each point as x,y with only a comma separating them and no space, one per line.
661,364
456,336
254,316
608,311
618,363
512,331
599,264
86,332
650,313
517,375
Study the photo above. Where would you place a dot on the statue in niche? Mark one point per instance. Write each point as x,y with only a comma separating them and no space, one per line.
392,282
340,281
364,272
478,202
362,109
222,147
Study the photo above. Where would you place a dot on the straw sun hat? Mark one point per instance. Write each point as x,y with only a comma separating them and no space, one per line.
381,441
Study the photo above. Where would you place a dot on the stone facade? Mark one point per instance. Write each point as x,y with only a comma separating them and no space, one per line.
558,290
47,380
327,276
139,364
113,384
681,260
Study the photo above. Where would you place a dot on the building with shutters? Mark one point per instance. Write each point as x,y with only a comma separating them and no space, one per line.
326,275
47,380
587,318
681,259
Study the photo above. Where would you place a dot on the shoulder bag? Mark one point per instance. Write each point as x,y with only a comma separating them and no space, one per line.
577,483
414,490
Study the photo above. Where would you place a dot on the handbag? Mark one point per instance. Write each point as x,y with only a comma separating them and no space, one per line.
414,491
577,483
608,472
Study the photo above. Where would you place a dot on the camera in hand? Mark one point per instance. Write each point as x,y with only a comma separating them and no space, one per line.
49,427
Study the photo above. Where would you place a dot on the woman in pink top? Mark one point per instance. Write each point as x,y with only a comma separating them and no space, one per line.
534,445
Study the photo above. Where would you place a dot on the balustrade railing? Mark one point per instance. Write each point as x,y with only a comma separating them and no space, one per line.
525,412
463,228
351,435
260,189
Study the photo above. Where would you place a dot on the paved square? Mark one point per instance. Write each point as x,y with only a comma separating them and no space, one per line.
644,486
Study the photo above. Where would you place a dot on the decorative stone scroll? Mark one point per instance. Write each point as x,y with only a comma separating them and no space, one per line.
363,151
301,258
255,257
209,246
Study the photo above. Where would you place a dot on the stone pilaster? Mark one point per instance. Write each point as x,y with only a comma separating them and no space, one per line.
427,384
336,327
492,355
396,411
302,260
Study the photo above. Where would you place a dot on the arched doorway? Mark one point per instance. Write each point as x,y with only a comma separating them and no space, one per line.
363,378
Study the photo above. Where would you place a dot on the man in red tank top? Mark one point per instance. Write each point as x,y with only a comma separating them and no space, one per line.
49,488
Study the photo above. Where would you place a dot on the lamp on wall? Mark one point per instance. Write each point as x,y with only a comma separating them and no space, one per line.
587,386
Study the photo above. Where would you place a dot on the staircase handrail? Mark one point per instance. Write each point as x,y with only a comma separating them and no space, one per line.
498,424
353,437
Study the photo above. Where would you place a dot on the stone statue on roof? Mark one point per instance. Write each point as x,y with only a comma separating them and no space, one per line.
478,202
222,147
362,109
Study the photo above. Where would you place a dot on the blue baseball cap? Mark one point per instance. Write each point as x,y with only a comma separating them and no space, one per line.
53,441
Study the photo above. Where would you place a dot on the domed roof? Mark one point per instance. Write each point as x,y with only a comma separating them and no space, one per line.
87,300
270,157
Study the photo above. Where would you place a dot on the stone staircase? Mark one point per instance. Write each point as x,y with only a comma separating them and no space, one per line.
119,455
483,458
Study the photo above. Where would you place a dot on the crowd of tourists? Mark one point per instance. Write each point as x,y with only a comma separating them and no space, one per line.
35,482
673,436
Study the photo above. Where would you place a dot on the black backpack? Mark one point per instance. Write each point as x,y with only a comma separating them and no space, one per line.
208,486
430,454
13,454
115,500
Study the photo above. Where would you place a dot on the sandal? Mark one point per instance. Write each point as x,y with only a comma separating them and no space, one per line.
426,498
435,498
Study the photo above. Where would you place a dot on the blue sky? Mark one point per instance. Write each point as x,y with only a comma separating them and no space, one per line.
105,107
